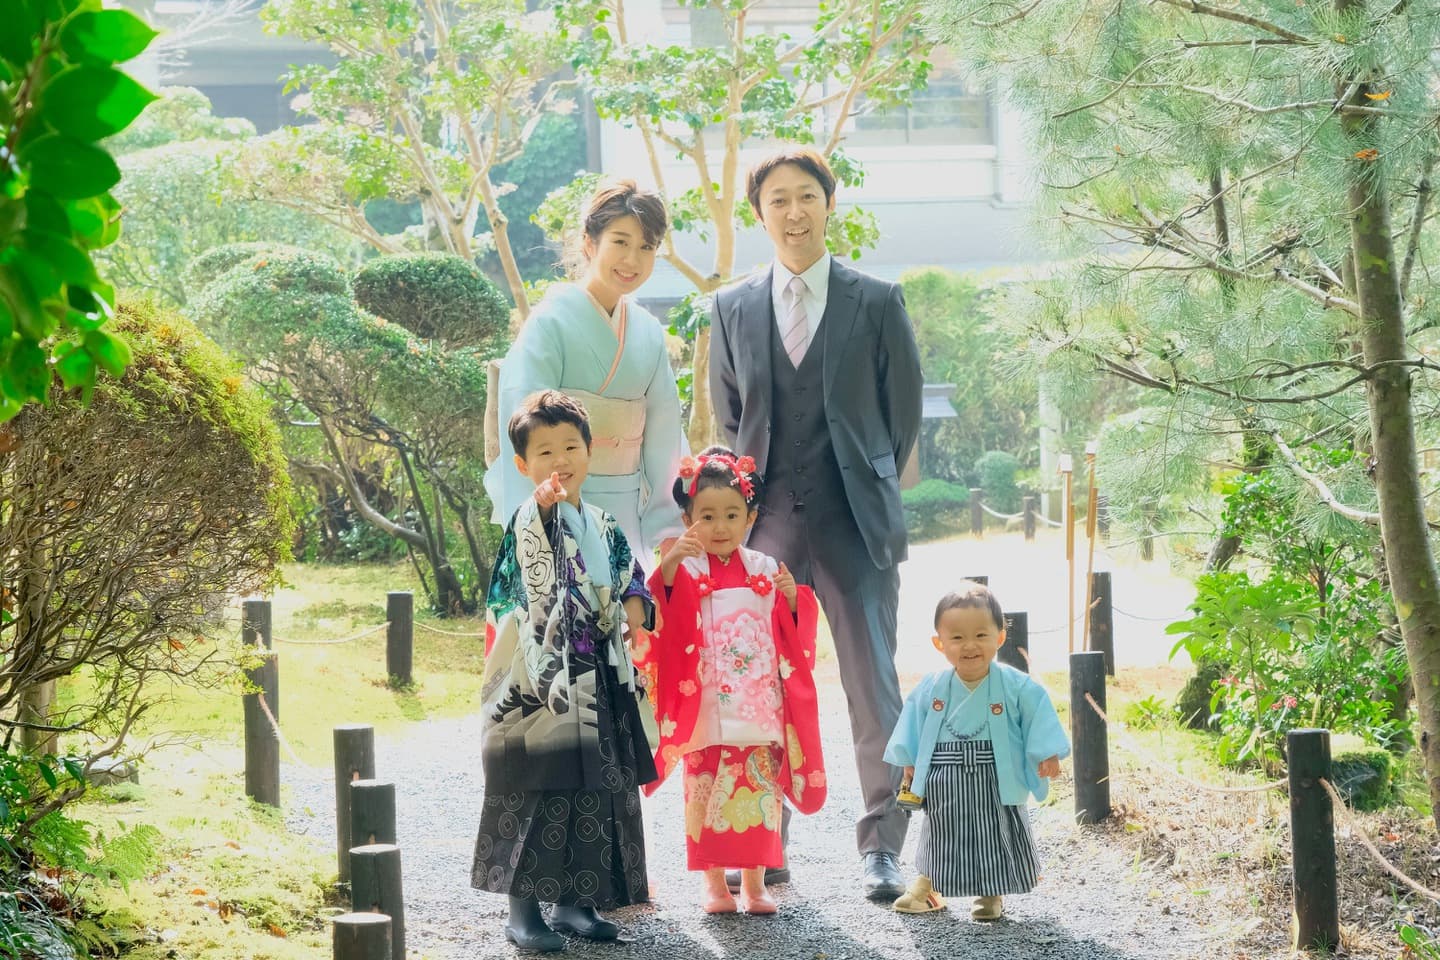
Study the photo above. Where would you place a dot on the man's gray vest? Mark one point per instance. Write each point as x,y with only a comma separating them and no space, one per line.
801,468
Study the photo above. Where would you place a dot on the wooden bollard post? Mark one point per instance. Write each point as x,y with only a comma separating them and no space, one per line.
1312,834
977,512
375,886
1090,738
372,812
1016,649
262,743
256,631
1031,505
362,936
1102,619
354,760
400,637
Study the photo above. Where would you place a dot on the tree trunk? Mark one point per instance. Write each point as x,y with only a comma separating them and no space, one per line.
1413,576
37,699
500,229
702,430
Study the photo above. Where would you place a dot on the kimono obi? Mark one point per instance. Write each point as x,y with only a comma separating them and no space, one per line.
741,699
617,429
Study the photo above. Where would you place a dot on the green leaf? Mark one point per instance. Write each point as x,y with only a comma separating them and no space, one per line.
24,374
70,263
109,351
44,213
4,810
87,218
17,40
68,168
77,369
75,768
48,775
93,102
107,36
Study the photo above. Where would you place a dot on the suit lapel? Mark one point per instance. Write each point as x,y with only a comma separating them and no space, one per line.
756,317
842,308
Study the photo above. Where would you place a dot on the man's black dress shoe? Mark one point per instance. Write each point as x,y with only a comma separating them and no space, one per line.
773,875
583,922
543,940
880,876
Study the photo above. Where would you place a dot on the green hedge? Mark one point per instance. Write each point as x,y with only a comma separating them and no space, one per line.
935,508
1363,777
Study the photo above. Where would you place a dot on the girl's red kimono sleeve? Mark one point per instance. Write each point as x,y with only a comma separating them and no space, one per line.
803,771
670,664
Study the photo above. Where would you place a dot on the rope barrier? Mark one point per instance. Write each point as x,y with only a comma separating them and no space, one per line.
275,725
1151,758
1047,521
325,643
1007,517
1034,631
1390,868
446,633
1136,616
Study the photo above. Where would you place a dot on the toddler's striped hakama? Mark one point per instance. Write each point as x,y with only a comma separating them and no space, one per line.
971,844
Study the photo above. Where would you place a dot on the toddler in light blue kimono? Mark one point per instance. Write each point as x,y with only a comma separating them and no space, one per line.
976,740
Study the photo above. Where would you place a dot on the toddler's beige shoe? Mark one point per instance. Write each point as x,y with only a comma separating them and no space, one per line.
920,898
987,908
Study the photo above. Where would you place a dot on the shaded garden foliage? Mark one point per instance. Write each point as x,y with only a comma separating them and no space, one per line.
125,527
355,387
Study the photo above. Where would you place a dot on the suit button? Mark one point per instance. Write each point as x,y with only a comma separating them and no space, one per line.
797,443
792,494
797,418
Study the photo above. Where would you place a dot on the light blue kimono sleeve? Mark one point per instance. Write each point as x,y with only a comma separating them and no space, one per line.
661,450
535,361
1040,725
904,745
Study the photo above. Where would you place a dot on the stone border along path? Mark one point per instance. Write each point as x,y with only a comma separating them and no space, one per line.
1093,902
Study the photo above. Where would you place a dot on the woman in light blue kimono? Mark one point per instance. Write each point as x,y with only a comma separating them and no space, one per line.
591,341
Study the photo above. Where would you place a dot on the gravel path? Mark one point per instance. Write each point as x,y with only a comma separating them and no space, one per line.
1094,901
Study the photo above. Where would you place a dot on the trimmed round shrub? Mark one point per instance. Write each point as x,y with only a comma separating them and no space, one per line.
934,508
436,296
995,471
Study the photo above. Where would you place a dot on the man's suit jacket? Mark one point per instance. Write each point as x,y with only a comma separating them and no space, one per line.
872,389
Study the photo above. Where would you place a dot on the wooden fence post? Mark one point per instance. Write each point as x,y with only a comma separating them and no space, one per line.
354,760
977,512
372,812
400,637
1031,505
1090,738
262,743
361,936
1016,649
1102,619
1312,836
375,885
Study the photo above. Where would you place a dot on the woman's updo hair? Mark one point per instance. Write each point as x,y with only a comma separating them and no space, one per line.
613,200
717,466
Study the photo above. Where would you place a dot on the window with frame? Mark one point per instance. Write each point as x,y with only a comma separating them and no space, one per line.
946,113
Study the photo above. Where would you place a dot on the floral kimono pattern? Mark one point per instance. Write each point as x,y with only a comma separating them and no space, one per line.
734,693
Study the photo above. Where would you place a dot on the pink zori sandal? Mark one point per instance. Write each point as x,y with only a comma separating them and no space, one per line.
920,898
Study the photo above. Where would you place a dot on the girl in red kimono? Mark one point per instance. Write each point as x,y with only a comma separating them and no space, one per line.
731,674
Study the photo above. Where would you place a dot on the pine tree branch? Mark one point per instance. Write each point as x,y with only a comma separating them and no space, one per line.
1327,496
1217,13
1119,86
1417,222
1322,297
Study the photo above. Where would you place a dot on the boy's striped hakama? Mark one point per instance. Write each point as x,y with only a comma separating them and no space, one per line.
972,845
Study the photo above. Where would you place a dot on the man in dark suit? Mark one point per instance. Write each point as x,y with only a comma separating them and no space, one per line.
814,372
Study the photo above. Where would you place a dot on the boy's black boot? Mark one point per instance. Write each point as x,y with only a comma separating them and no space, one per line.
583,922
527,929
